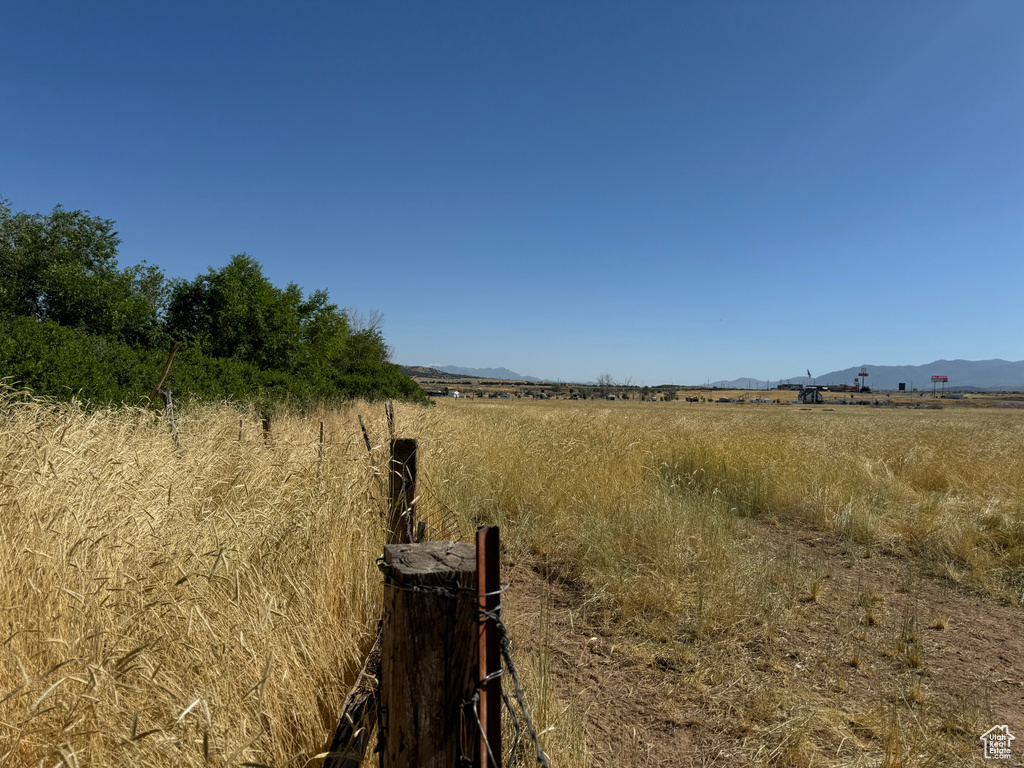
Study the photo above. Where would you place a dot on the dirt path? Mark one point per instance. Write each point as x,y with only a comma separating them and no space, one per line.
878,665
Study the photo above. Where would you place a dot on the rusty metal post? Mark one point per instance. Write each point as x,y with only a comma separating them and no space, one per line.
488,569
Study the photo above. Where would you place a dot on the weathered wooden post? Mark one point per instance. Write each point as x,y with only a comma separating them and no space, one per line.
169,408
429,654
366,437
358,716
401,522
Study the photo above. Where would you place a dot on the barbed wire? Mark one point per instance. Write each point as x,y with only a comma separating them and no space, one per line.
506,654
444,524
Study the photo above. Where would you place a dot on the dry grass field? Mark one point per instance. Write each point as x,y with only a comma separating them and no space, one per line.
690,584
193,607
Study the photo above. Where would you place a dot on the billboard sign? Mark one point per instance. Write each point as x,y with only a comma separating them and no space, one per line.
940,378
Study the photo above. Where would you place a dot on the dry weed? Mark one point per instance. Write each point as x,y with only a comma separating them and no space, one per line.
206,606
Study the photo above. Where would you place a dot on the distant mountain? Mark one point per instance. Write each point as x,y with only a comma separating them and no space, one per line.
743,384
426,373
485,373
962,374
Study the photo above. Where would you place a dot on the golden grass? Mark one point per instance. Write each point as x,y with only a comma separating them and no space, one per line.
208,606
602,485
649,509
201,607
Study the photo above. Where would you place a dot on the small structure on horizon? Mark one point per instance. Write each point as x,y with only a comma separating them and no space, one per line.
810,396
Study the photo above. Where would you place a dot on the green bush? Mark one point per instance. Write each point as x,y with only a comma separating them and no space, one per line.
72,324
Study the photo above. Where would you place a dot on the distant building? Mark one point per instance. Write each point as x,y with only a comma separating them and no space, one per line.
810,396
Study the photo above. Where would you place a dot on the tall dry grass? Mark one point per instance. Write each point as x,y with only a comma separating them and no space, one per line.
201,606
943,486
195,607
650,509
613,488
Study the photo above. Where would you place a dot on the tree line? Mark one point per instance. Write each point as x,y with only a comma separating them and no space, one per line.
75,324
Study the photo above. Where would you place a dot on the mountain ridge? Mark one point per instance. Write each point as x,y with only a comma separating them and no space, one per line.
485,373
994,374
458,372
983,375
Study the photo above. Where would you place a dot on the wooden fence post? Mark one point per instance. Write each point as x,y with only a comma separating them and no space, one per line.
366,437
401,524
169,408
428,660
358,716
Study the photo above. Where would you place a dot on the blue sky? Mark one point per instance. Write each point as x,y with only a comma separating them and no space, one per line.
670,192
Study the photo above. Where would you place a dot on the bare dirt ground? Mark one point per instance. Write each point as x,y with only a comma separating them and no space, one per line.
879,663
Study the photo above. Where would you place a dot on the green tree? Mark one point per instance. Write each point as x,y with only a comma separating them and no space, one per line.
236,312
63,267
72,323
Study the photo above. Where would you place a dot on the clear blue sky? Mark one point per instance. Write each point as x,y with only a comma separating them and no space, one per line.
671,192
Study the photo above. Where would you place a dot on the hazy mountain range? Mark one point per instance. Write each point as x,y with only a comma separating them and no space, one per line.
483,373
962,374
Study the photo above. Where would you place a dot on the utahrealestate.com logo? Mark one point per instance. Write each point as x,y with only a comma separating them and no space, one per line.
997,742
